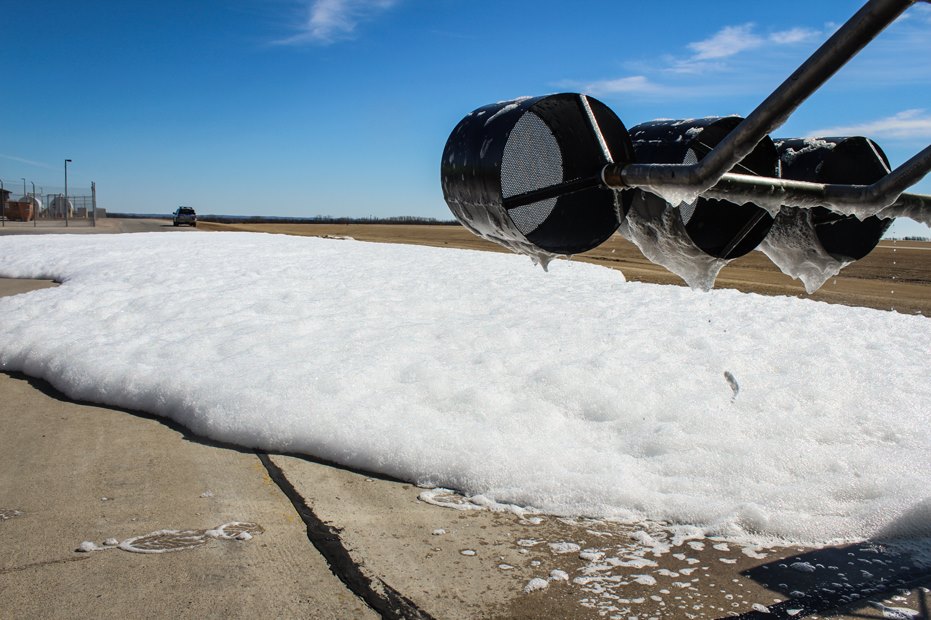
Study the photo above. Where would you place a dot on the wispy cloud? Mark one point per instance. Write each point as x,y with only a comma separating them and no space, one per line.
794,35
328,21
30,162
924,12
908,124
732,40
920,12
631,84
728,41
719,54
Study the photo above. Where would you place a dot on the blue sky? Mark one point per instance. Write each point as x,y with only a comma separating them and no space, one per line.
342,107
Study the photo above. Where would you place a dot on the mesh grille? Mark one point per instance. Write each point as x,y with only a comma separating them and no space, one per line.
531,160
687,209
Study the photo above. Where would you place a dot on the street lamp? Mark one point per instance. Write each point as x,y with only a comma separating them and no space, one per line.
67,161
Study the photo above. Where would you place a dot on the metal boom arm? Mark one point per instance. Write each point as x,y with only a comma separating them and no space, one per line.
853,36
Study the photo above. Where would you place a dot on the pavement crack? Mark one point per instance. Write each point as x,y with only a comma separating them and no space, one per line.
377,594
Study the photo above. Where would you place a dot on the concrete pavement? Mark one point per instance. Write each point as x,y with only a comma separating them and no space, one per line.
83,227
77,473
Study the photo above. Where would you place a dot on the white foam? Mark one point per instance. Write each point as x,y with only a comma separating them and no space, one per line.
811,144
571,392
447,498
664,241
564,547
793,246
897,613
166,541
528,542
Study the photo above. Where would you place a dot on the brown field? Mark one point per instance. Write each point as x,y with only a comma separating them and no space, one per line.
895,276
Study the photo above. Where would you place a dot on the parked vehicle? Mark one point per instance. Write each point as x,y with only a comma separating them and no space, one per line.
185,215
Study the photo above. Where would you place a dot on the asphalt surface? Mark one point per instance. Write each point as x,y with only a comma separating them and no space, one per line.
81,483
88,227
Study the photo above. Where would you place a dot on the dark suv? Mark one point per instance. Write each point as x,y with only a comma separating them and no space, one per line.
185,215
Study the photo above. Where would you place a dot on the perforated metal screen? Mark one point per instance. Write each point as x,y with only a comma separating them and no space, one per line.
687,209
532,160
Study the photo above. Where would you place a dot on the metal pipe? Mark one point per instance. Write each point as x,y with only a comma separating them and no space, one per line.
914,206
853,36
858,200
886,196
551,191
891,186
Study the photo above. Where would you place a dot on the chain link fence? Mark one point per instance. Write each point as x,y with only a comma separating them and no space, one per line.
47,205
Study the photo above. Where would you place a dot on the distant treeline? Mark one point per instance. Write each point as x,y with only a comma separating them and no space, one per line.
271,219
911,238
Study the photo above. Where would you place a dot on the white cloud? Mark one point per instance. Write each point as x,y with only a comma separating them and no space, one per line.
632,84
793,35
911,124
332,20
732,40
728,41
920,12
28,161
711,56
688,66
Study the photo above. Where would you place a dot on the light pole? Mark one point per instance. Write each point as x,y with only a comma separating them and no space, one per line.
67,161
2,204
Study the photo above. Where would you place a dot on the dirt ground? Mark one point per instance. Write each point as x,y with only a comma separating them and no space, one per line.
895,276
